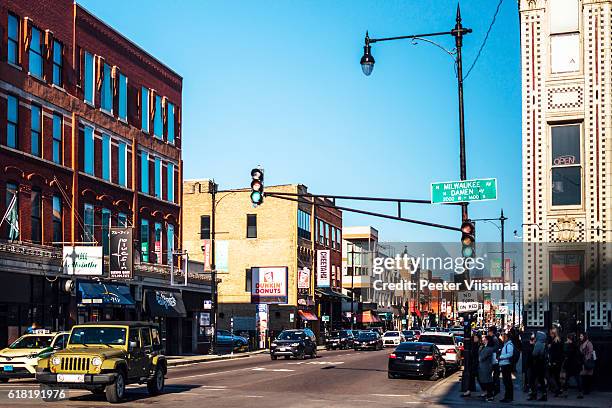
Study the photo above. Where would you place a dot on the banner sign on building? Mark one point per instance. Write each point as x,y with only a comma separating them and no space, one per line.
82,260
206,251
304,278
120,253
269,285
323,268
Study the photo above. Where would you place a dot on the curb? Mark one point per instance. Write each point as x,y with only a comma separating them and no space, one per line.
205,358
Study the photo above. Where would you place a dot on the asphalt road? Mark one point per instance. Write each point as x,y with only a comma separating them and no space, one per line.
335,379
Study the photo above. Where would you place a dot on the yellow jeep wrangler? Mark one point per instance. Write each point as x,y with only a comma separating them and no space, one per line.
103,357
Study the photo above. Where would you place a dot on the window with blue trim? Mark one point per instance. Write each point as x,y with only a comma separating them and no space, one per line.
35,55
13,39
170,178
121,164
170,108
106,223
36,130
144,172
88,80
12,122
122,97
158,126
88,151
106,152
57,63
157,177
144,240
88,221
158,242
170,242
57,138
106,96
144,108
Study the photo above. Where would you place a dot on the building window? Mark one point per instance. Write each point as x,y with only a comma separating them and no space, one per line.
566,267
13,39
57,62
564,36
251,225
58,232
106,96
566,165
333,237
12,206
144,240
321,232
106,224
122,220
12,123
106,153
144,172
88,83
122,97
205,227
88,151
158,126
170,109
88,220
144,108
326,232
36,130
158,242
36,224
157,178
170,171
57,138
338,239
35,55
121,164
170,243
248,280
303,224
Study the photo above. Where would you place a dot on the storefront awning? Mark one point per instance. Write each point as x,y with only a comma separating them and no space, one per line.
367,317
165,304
331,293
306,315
105,294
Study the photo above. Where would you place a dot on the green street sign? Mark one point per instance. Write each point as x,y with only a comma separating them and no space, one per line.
325,318
464,191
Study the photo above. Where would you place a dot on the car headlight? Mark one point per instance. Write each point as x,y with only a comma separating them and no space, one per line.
96,361
273,344
56,360
295,344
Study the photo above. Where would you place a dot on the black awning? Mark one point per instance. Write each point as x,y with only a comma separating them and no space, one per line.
331,293
165,304
105,294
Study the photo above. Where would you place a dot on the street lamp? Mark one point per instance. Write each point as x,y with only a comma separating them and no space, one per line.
367,65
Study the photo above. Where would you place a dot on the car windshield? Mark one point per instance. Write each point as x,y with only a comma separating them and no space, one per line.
414,347
391,334
292,335
408,333
431,338
32,342
98,335
367,336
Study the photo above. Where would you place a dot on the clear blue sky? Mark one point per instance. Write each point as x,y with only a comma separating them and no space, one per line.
278,84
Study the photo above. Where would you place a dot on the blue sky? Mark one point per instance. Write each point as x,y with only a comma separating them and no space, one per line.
278,84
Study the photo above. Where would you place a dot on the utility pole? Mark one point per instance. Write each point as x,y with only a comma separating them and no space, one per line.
213,269
502,219
514,295
352,286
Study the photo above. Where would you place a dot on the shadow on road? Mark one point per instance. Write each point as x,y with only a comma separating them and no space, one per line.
135,394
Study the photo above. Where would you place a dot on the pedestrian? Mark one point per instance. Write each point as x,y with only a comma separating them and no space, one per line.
588,359
485,367
555,361
527,363
538,373
32,328
473,364
572,364
506,358
496,344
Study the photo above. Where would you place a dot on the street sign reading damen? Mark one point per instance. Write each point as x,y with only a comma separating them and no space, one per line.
464,191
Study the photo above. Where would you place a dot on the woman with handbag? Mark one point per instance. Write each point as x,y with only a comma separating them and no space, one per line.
588,358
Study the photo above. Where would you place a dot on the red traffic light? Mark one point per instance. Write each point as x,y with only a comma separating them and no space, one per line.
467,228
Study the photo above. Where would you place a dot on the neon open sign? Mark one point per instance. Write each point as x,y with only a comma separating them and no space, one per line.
564,160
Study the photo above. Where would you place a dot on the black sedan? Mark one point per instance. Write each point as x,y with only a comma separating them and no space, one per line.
340,339
409,335
368,340
417,359
294,343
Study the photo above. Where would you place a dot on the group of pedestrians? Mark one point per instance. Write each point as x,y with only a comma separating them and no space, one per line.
548,363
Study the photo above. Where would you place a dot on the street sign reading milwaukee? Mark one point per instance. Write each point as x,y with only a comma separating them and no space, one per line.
462,191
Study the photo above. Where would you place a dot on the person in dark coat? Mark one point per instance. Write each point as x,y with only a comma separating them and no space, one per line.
473,364
555,361
538,368
588,356
527,361
497,345
485,367
572,364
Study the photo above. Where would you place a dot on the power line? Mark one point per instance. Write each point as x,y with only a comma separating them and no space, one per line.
484,41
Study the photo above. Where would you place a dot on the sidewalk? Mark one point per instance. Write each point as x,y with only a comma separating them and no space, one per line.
448,392
174,361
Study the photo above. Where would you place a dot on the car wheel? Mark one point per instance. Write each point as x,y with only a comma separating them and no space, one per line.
116,391
156,384
314,353
434,376
301,355
273,357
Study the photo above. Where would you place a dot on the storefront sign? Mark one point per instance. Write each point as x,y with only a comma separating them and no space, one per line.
304,278
269,285
204,319
206,252
323,268
120,253
82,260
207,305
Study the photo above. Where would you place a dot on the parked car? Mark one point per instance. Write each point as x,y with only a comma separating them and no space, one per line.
417,359
226,339
104,357
340,339
19,360
294,343
409,335
368,340
447,346
392,338
458,331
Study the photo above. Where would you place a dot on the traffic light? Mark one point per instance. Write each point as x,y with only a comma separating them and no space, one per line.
257,186
468,240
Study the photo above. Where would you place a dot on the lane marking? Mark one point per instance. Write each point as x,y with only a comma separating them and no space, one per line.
393,395
276,370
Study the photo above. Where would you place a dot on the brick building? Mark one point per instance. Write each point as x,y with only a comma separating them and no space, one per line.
90,139
278,233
